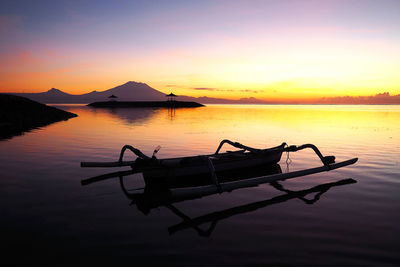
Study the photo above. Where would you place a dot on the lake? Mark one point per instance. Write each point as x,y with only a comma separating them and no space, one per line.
48,217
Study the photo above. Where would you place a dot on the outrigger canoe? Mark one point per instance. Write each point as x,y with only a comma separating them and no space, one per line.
216,172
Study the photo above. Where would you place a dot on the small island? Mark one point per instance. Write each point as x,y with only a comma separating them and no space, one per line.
19,114
145,104
170,103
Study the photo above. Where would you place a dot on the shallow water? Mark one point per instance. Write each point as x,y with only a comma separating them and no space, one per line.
49,217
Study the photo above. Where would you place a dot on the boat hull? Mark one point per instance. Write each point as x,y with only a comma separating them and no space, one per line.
201,168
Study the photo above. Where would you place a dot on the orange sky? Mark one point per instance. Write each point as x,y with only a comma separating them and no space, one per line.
266,50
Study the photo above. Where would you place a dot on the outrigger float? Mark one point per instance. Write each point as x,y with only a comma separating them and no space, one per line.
198,176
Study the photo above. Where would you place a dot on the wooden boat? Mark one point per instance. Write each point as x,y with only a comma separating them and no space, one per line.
213,171
174,180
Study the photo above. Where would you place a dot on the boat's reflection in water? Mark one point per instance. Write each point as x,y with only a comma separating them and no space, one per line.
156,194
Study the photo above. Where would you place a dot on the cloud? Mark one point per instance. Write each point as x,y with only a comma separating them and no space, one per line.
205,88
213,89
381,98
227,90
251,91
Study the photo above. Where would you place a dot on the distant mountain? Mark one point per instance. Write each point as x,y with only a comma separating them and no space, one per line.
130,91
51,96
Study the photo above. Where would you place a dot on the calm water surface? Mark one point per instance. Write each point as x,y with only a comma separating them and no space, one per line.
47,216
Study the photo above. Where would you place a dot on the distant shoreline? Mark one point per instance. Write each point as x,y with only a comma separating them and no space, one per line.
243,104
142,104
135,91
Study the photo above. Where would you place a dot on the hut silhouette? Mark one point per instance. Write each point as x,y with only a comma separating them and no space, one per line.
171,97
113,98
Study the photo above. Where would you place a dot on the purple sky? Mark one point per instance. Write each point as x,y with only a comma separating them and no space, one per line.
271,48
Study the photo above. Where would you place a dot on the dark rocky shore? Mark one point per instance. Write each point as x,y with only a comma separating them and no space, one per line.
143,104
20,114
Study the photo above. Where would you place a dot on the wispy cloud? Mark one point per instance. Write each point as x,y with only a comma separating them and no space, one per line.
213,89
251,91
205,88
227,90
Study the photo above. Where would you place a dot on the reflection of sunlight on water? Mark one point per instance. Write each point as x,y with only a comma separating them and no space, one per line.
371,133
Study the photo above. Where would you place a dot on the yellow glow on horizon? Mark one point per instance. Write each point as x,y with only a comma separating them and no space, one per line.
266,70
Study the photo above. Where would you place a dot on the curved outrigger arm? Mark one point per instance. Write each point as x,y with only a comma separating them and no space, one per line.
237,145
326,160
136,151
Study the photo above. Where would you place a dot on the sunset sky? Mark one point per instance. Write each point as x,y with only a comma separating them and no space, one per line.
265,49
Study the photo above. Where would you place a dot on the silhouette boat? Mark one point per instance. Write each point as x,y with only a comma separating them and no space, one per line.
155,195
216,172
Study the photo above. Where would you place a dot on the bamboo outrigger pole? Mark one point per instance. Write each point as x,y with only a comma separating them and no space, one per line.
229,186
